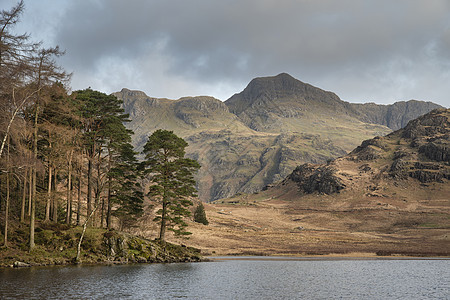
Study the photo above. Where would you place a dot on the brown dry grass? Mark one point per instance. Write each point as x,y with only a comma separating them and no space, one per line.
278,222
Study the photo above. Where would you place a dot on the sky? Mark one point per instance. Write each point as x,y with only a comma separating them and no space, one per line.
378,51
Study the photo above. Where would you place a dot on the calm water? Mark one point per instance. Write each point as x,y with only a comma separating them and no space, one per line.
236,279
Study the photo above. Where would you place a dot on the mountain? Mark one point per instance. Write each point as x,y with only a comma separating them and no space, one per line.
256,137
269,102
394,116
389,196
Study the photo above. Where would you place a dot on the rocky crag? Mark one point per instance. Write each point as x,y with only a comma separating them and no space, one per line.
257,137
420,151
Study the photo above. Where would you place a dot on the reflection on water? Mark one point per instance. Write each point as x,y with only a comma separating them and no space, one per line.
235,279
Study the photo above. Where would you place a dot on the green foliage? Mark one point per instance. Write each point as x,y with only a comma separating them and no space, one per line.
125,189
171,175
200,215
103,119
107,140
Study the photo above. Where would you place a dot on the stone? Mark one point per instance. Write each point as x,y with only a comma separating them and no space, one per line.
19,264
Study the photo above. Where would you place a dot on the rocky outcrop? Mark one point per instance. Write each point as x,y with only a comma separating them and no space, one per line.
56,244
312,178
438,150
430,140
124,248
369,149
431,125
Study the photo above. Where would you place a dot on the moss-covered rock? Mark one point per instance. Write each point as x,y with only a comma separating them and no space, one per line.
56,247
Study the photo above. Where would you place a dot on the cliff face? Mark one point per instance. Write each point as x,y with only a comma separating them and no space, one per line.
256,137
394,116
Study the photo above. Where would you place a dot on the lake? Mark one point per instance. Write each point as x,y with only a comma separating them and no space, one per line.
245,278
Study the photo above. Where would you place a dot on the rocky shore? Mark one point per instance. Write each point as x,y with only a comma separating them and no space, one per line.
57,244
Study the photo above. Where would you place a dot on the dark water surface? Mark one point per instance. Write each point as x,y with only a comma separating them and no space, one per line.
250,278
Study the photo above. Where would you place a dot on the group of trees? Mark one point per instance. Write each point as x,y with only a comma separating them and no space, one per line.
57,150
68,158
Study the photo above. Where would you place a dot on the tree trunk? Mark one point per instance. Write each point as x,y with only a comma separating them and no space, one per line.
7,209
33,209
33,198
30,189
69,190
89,186
49,193
98,188
108,210
79,199
55,202
102,213
8,170
162,231
24,197
78,259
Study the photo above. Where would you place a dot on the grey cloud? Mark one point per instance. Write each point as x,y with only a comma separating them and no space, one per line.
356,48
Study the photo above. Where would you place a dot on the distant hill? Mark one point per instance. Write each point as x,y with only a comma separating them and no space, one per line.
257,137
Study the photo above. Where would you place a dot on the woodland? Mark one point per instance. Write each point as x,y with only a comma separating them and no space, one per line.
66,157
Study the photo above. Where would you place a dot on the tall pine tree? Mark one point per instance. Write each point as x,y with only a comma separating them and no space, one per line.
172,180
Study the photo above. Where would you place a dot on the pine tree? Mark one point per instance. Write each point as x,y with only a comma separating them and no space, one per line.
103,133
171,175
124,190
200,215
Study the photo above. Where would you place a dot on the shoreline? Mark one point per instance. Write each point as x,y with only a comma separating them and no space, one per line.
324,258
217,258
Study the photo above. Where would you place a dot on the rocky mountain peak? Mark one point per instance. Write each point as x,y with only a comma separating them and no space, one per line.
278,89
133,93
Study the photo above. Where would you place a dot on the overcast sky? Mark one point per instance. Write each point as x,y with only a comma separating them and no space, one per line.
363,50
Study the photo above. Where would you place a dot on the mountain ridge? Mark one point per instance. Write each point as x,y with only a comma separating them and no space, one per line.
287,123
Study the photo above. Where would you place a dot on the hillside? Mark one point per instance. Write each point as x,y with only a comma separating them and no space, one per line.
258,136
390,195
